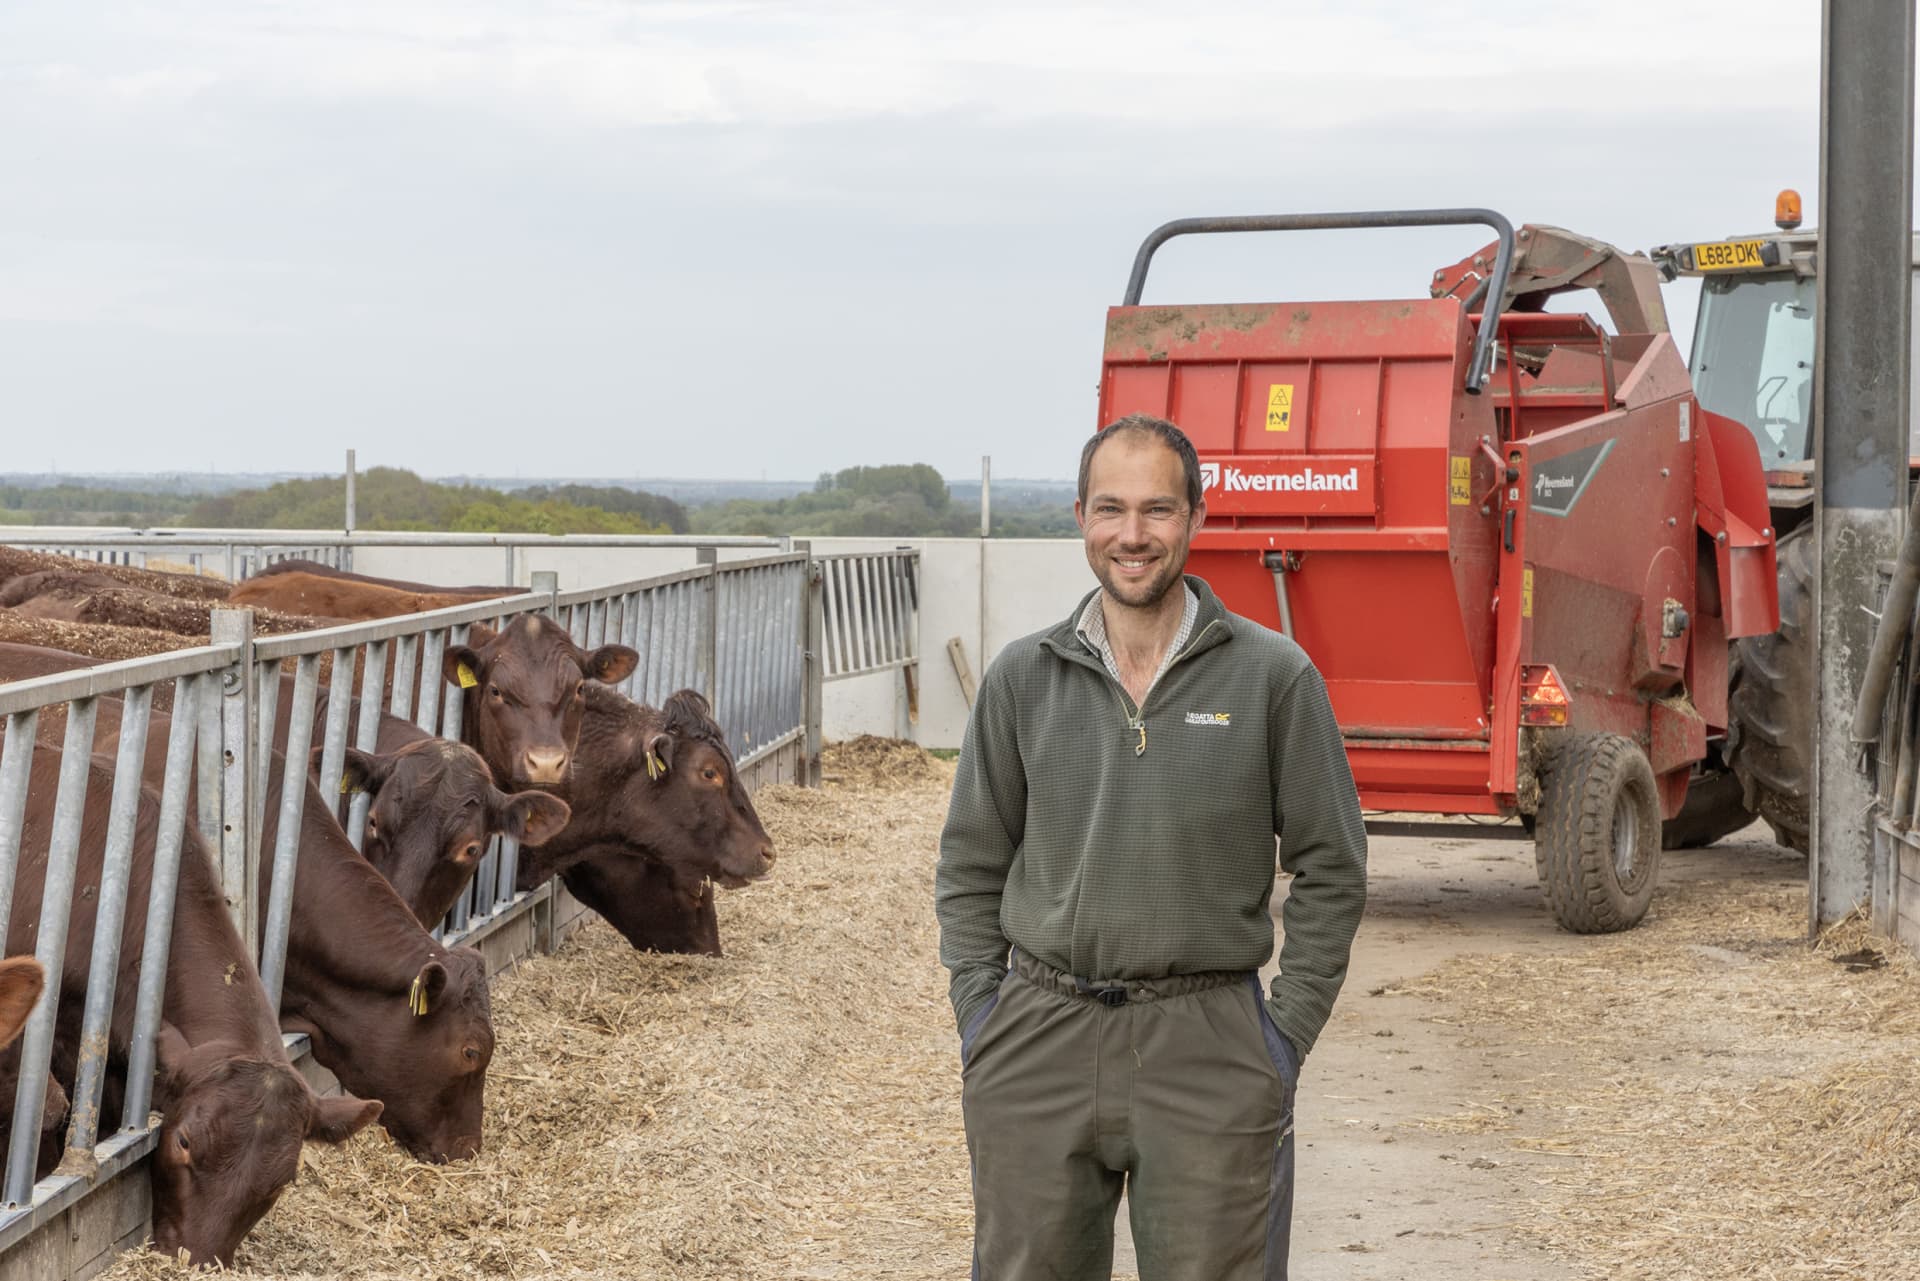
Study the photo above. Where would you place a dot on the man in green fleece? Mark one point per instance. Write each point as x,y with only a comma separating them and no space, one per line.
1103,891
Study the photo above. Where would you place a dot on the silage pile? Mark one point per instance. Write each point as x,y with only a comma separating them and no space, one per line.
1721,1099
788,1111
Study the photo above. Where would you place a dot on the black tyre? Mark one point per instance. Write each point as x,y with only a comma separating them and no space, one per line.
1770,704
1715,807
1597,836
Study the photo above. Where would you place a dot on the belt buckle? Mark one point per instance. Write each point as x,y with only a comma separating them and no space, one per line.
1111,997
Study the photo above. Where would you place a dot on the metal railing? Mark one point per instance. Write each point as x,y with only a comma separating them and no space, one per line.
743,632
238,554
871,607
202,680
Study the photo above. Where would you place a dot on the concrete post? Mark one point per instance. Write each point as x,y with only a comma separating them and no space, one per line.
1860,395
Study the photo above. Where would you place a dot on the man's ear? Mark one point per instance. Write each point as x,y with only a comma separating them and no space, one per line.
461,666
531,818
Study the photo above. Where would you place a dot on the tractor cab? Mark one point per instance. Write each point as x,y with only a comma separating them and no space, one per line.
1753,341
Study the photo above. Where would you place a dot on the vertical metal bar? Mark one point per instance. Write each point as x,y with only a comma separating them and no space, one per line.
266,701
286,842
1860,391
367,735
456,704
814,698
509,871
597,623
631,625
333,743
405,652
823,585
883,585
56,901
769,661
16,761
432,682
708,678
859,628
103,967
509,579
239,861
659,638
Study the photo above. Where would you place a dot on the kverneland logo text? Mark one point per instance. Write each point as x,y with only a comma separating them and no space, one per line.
1306,480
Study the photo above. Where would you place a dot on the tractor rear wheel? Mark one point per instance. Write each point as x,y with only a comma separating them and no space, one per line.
1597,835
1771,700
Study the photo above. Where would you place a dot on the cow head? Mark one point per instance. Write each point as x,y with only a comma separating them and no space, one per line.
21,980
680,800
422,1051
230,1141
527,697
433,810
641,899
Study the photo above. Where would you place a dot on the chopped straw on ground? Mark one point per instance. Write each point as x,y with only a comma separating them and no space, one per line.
788,1111
1726,1101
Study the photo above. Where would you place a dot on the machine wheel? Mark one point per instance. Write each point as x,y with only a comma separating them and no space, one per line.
1771,700
1715,807
1597,842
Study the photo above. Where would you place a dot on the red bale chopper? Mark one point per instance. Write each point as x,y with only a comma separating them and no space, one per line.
1511,541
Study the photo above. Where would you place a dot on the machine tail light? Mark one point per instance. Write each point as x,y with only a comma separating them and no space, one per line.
1543,697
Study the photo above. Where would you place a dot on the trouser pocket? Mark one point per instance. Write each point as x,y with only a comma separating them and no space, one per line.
971,1035
1286,1060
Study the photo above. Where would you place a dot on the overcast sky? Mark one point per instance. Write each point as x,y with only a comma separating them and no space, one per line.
736,239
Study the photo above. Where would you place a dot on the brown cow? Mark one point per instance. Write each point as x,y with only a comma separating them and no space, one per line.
638,898
434,809
21,981
324,597
656,784
300,565
235,1110
525,689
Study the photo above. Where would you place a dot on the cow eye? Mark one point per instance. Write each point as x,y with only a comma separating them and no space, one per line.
711,774
495,691
580,691
472,851
473,1055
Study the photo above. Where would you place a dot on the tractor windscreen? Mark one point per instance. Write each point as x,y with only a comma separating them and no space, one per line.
1753,359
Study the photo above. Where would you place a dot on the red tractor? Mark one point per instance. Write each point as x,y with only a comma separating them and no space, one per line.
1511,540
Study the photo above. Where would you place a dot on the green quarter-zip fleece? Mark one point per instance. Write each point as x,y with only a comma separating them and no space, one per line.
1113,842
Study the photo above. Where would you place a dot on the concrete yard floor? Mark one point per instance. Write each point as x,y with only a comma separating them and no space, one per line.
1388,1186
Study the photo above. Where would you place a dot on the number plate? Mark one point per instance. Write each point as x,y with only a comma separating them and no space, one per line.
1728,255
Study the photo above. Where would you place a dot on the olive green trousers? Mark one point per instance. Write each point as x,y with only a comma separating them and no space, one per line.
1177,1091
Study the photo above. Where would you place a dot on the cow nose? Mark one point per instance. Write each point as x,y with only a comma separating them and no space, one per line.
767,855
546,767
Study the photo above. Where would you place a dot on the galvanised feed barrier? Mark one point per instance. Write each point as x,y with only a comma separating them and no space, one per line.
203,681
871,602
745,633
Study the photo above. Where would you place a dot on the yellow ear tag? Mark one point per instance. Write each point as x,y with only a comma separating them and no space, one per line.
346,786
417,998
465,674
655,767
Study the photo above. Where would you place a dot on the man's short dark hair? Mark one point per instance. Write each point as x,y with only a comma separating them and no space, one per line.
1146,425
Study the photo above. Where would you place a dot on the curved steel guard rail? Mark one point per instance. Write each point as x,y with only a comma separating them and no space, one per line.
1482,362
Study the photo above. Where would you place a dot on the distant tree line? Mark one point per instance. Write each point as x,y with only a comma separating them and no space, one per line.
899,501
88,505
392,499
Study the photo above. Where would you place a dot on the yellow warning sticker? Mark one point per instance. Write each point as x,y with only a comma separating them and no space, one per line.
1280,407
1460,483
1526,593
467,679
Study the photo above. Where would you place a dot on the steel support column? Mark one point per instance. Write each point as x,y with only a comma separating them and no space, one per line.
1860,394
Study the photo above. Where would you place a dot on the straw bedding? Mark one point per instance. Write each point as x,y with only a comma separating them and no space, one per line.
1725,1099
788,1111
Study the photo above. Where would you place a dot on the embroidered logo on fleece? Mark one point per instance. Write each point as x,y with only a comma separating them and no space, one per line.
1222,719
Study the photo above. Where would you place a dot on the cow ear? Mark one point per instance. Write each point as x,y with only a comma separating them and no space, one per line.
428,985
532,818
338,1117
461,666
21,982
659,756
364,772
611,664
173,1057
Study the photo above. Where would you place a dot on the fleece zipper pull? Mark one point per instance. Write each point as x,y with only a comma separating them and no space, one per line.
1139,723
